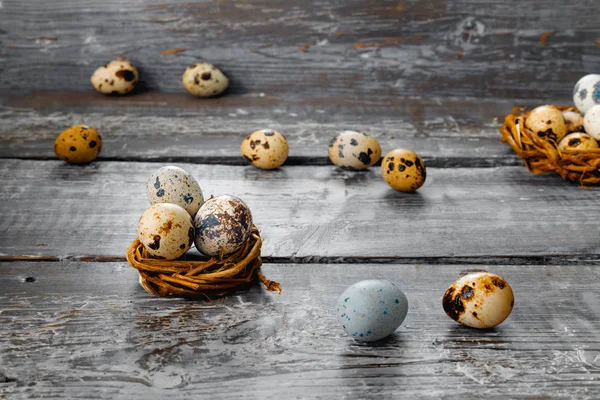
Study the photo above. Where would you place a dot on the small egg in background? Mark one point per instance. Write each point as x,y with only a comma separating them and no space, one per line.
354,150
223,224
175,185
547,122
404,170
574,121
578,141
591,122
479,300
166,231
204,80
370,310
79,144
265,149
587,92
116,77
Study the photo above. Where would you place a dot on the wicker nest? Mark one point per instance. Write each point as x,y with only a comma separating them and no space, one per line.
210,278
541,156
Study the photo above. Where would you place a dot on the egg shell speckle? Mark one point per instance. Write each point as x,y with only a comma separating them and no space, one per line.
371,310
174,185
547,122
354,150
166,231
116,77
404,170
204,80
79,144
574,121
479,300
265,149
578,141
591,122
587,92
223,224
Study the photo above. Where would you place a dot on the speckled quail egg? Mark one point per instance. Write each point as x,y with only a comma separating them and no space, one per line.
591,122
204,80
578,141
479,300
79,144
223,225
354,150
574,121
174,185
547,122
587,92
403,170
116,77
166,231
371,310
265,149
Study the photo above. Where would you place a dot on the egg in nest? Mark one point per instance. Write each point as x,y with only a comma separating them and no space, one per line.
175,185
547,122
578,141
166,231
586,93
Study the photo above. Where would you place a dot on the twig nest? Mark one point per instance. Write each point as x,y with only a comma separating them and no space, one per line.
587,92
578,141
354,150
116,77
166,231
204,80
174,185
574,121
79,144
547,122
404,170
222,226
591,122
265,149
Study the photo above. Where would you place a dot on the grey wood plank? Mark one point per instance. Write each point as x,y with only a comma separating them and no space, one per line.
480,48
51,209
87,330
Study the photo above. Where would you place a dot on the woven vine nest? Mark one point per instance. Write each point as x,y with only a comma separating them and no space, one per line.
541,156
208,278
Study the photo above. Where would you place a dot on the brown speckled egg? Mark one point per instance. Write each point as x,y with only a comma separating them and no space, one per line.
79,144
479,300
265,149
166,231
578,141
223,225
116,77
354,150
574,121
204,80
403,170
547,122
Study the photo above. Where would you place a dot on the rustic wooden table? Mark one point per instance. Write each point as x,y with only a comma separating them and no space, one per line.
434,76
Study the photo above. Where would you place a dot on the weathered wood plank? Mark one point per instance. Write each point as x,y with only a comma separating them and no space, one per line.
49,208
496,48
87,330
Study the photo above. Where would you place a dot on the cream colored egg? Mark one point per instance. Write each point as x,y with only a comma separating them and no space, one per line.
586,93
354,150
479,300
403,170
166,231
265,149
116,77
204,80
574,121
547,122
578,141
591,122
174,185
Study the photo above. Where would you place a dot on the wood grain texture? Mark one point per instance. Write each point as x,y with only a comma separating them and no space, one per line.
87,330
498,48
49,208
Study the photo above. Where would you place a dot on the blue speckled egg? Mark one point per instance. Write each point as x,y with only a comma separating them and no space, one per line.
587,92
371,310
175,186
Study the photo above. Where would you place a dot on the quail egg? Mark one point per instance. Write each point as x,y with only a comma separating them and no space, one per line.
578,141
204,80
354,150
574,121
79,144
116,77
166,231
265,149
403,170
587,92
591,122
174,185
547,122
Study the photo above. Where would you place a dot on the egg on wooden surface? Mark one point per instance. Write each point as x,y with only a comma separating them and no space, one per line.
79,144
371,310
222,225
591,122
204,80
175,185
574,121
354,150
116,77
547,122
587,92
403,170
479,300
166,231
578,141
265,149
